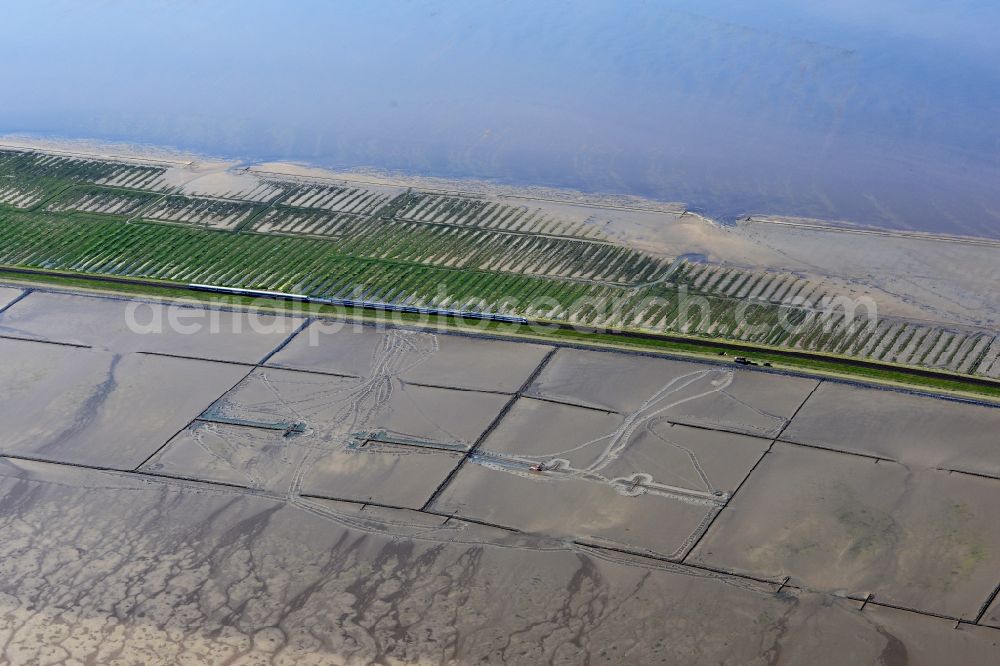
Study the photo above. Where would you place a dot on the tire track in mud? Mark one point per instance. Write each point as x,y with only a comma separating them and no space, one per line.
252,369
622,436
618,442
398,351
695,463
646,416
347,407
766,414
490,428
232,448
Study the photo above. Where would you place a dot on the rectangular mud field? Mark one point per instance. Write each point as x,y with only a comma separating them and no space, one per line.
303,493
99,408
392,474
367,439
719,396
338,410
926,539
255,458
588,444
592,512
632,481
124,325
456,361
595,450
280,462
916,431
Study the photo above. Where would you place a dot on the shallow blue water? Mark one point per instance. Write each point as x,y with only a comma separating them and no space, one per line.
877,112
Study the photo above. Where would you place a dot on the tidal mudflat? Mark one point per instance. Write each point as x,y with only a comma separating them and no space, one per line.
393,474
255,458
916,431
696,394
121,325
337,410
632,481
118,569
402,494
362,351
92,407
925,540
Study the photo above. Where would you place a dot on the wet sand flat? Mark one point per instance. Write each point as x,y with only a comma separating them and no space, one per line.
695,393
107,568
925,540
96,408
423,357
104,323
913,430
335,410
